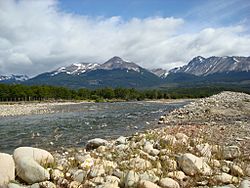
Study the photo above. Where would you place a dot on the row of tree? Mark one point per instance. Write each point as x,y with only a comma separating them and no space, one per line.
40,93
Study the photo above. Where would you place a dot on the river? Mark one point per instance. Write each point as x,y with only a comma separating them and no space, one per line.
73,125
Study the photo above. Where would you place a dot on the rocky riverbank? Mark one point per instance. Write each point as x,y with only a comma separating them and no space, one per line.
29,108
194,149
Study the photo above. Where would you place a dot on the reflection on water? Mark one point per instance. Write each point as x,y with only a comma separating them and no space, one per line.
73,125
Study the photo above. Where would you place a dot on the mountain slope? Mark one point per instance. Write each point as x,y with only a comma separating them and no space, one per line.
201,66
113,73
160,72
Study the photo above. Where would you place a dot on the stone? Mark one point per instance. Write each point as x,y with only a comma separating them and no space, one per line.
168,183
230,152
79,175
109,164
225,169
170,164
75,184
168,140
101,149
147,184
95,143
87,163
47,184
224,178
178,175
108,185
215,163
118,173
97,170
139,164
244,184
56,174
149,175
98,180
62,182
28,162
121,140
131,179
193,165
62,164
247,170
236,170
204,150
181,136
148,148
15,185
113,180
225,186
7,169
121,147
35,185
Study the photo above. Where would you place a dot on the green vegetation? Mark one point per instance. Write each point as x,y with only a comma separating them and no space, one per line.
42,93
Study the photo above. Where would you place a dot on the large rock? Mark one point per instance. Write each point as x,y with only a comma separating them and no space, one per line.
29,163
7,169
169,183
95,143
193,165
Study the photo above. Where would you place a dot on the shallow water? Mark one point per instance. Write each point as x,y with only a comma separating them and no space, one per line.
73,125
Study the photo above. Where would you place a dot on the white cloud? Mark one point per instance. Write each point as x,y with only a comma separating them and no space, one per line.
35,36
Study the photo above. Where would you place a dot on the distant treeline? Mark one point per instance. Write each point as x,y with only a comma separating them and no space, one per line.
40,93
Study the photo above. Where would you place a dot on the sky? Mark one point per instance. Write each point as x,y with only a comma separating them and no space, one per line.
41,35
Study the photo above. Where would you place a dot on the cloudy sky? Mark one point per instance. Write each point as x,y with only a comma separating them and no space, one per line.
40,35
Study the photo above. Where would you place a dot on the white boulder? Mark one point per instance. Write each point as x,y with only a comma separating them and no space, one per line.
29,163
7,169
192,165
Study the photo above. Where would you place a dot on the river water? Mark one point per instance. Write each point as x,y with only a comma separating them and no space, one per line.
73,125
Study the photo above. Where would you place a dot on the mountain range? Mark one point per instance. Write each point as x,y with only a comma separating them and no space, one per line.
117,72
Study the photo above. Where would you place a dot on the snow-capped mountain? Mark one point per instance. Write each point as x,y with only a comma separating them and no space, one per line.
115,72
76,68
160,72
201,66
118,63
81,68
13,78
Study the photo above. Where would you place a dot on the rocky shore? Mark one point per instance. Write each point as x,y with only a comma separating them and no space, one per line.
29,108
204,144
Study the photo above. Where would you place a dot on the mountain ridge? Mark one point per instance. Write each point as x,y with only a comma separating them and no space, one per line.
201,66
117,72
